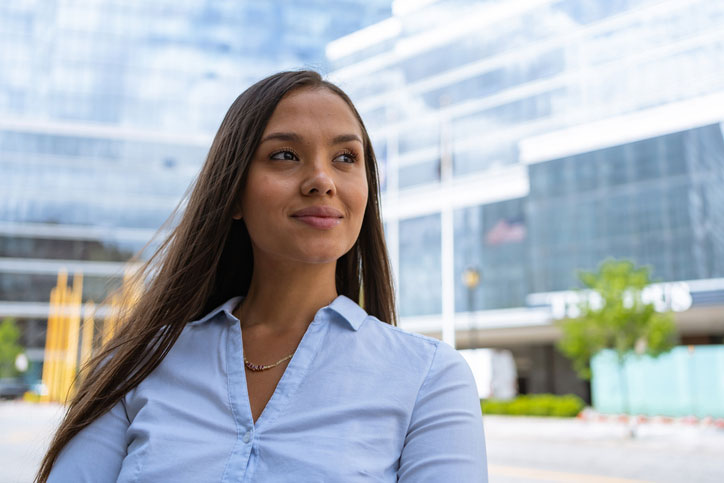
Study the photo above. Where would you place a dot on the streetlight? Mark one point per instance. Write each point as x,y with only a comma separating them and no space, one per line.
471,279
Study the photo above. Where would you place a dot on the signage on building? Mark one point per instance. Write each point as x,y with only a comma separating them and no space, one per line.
674,296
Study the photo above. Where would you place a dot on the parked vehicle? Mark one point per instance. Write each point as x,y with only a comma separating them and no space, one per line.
11,388
494,371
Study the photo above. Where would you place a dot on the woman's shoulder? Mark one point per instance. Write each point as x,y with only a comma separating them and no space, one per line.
424,351
400,335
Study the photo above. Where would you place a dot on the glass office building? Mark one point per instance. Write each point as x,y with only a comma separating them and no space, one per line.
524,140
107,110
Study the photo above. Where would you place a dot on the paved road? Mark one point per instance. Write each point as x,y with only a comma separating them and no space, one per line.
519,449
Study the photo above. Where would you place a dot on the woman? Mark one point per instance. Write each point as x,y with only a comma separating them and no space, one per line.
280,376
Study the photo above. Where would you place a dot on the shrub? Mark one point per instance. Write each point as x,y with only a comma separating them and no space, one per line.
536,405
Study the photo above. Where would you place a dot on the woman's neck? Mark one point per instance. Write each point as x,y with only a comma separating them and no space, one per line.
285,297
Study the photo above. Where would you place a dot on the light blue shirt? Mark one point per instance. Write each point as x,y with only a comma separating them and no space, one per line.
360,400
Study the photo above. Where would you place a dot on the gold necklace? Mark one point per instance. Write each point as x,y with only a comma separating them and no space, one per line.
259,367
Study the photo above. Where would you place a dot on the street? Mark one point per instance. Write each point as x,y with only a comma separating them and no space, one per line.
519,449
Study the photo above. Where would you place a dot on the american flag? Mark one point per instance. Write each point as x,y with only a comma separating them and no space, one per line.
506,230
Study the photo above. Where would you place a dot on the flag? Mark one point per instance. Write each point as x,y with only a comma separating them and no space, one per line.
506,230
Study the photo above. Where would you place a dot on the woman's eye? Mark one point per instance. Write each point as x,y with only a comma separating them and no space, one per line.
346,158
284,155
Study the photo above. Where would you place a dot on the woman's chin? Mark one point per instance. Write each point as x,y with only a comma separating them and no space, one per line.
317,257
320,259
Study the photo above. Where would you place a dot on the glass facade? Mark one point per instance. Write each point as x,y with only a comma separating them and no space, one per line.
605,117
24,287
163,64
649,201
655,201
492,240
496,73
420,266
108,108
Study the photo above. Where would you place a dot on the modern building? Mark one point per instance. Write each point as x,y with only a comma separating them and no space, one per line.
107,110
523,140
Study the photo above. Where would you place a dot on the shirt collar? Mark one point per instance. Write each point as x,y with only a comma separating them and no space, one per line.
352,313
345,307
227,307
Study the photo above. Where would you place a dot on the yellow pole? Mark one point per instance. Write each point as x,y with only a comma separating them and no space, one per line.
71,348
86,345
51,336
61,338
62,364
109,325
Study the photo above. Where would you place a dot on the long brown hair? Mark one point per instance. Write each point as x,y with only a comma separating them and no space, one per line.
207,259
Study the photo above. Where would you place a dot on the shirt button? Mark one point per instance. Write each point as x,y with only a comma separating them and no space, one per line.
247,437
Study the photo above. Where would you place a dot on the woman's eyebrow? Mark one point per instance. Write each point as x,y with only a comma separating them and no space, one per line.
294,137
344,138
282,136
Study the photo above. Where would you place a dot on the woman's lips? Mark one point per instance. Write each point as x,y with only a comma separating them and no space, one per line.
321,222
322,217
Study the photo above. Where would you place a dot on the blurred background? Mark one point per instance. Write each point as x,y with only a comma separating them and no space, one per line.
519,142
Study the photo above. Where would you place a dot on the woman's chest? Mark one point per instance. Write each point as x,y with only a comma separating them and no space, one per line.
330,434
260,387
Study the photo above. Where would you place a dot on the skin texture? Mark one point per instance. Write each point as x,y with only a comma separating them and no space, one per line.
311,154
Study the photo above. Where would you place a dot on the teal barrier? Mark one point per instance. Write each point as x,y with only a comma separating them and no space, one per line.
688,381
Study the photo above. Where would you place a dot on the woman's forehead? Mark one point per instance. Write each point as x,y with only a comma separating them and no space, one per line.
311,109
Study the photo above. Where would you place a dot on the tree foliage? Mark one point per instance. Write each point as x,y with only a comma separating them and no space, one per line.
9,347
614,315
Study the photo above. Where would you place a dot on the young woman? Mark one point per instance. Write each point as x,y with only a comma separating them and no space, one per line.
247,357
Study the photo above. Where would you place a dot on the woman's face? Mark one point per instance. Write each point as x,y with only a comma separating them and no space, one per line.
306,189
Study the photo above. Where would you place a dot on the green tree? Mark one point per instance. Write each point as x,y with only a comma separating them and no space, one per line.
614,315
9,347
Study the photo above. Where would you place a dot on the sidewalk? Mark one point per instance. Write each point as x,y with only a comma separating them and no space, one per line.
593,426
598,449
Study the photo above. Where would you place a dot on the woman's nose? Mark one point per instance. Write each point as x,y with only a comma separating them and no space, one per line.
318,180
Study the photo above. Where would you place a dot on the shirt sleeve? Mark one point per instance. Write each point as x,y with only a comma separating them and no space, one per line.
96,453
445,439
